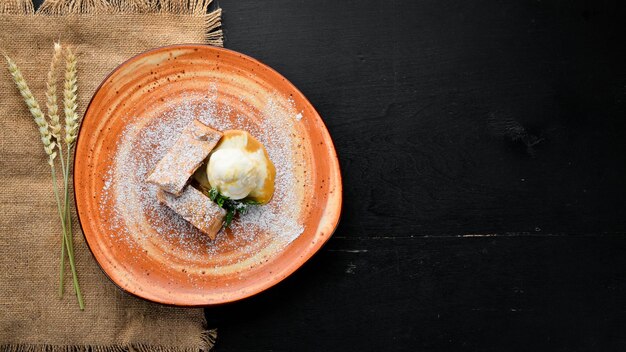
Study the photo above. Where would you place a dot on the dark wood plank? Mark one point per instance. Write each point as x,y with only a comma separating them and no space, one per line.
495,293
455,116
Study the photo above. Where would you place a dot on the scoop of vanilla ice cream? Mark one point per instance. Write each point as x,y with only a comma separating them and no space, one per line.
233,172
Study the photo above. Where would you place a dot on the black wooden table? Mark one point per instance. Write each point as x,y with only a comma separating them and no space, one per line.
483,152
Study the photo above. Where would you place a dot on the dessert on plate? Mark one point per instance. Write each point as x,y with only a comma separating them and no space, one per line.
239,168
238,173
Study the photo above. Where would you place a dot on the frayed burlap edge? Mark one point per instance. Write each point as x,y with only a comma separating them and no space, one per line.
208,340
213,22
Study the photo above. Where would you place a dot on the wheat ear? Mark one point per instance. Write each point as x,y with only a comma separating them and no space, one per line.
51,94
69,99
35,110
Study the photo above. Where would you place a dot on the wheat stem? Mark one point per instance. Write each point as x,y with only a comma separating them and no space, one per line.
63,227
79,295
68,213
62,267
67,244
64,242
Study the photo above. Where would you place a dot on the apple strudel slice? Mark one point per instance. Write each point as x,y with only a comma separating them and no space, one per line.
186,155
196,208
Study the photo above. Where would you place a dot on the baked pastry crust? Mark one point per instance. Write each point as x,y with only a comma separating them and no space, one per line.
196,208
195,143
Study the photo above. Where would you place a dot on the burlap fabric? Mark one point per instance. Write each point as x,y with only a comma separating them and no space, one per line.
32,317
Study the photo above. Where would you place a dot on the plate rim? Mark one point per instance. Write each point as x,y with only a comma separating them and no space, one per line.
299,261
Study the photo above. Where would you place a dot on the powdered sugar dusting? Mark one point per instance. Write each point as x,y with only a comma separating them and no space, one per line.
184,157
141,223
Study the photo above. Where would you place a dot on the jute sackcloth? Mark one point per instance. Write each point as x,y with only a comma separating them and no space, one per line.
32,317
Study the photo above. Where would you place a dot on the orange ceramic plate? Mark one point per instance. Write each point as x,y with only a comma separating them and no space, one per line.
136,114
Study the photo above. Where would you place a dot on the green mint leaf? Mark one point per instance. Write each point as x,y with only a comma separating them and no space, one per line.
229,218
250,202
213,194
231,206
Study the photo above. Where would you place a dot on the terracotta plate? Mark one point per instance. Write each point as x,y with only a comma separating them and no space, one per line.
137,113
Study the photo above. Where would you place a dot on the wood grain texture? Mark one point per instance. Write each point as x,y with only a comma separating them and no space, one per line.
517,293
453,118
457,117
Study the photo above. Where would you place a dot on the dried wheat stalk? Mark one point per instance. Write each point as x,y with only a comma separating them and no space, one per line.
70,87
47,132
